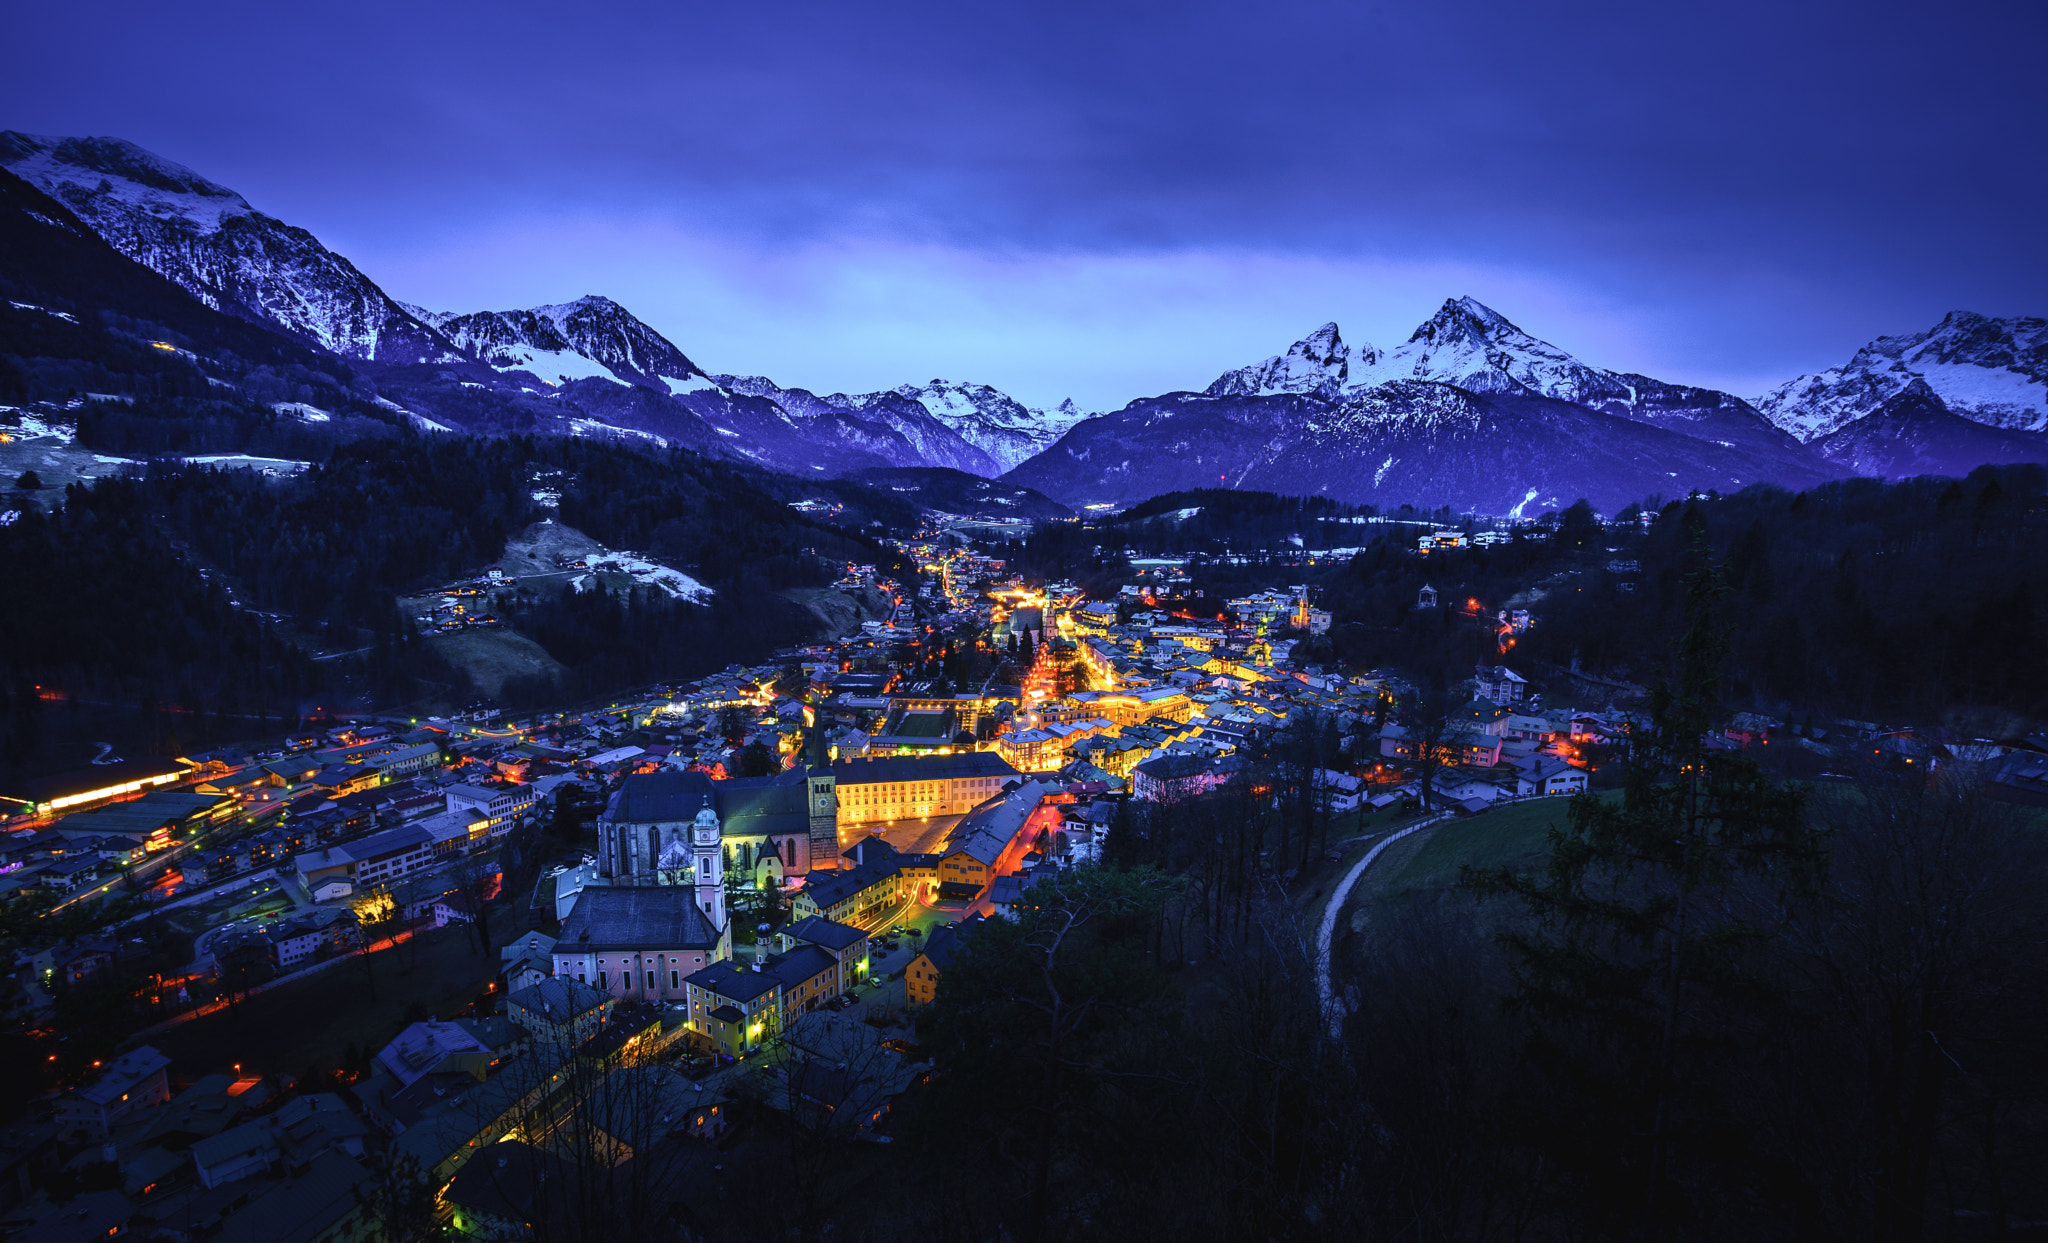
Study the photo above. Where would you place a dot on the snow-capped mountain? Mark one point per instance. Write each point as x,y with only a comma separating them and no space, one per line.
1491,452
590,338
1470,410
1915,433
1475,347
209,241
888,426
1990,371
1319,363
999,425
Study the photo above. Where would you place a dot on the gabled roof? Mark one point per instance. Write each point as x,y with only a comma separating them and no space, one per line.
637,917
805,962
733,982
819,930
559,997
946,942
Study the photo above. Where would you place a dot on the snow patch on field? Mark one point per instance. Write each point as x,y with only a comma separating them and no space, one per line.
676,583
66,316
262,465
34,427
591,427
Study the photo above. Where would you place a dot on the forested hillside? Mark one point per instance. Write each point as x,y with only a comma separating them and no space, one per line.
115,612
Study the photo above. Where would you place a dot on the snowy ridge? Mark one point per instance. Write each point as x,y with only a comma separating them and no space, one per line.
1318,363
210,242
1466,343
590,338
1475,347
1990,371
999,425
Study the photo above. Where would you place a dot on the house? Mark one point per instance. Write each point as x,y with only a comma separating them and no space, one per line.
499,802
1500,685
879,790
1339,792
301,1129
941,948
1173,776
514,1191
848,893
1548,775
137,1081
847,945
374,860
732,1009
528,960
559,1011
318,1203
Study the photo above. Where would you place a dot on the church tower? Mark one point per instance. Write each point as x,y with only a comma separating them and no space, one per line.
822,797
710,870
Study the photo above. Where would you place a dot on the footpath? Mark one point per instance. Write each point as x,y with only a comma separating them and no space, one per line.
1326,930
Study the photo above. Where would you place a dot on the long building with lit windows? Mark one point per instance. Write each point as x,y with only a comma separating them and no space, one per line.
903,787
92,787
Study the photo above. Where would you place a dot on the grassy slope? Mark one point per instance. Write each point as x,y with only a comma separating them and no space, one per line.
310,1022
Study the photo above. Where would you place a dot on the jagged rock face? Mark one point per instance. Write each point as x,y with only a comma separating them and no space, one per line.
207,240
1319,363
1477,349
592,337
1003,428
1989,371
1915,433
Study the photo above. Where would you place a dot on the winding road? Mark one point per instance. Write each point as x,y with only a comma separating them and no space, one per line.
1326,992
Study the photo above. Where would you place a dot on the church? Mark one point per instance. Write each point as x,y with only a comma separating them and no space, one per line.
770,827
644,934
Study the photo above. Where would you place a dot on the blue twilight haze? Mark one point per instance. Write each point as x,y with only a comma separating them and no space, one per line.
1107,200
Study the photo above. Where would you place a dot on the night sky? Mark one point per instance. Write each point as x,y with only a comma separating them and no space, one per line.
1108,200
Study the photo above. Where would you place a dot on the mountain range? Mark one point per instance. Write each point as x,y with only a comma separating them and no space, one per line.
1469,411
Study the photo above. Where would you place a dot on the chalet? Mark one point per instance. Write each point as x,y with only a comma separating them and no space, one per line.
1501,685
1547,775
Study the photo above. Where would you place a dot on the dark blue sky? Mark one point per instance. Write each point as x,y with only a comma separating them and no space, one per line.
1106,200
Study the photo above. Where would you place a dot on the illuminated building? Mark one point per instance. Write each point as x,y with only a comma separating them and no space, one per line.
89,787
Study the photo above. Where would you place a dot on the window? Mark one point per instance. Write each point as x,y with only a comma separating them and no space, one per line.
602,981
675,979
650,980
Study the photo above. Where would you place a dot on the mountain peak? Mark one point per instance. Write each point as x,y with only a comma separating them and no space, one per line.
111,158
1476,348
1983,368
590,338
1318,363
1463,316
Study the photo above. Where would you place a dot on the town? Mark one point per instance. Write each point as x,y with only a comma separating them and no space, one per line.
678,922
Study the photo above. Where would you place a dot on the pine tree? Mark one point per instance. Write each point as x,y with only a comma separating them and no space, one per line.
1626,953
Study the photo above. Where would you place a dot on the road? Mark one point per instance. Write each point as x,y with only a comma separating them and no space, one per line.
1326,929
